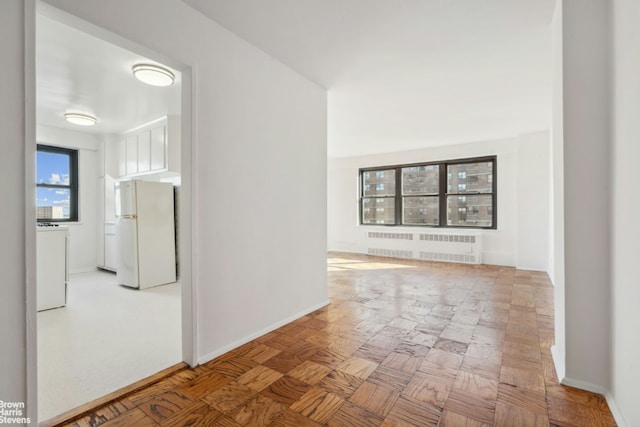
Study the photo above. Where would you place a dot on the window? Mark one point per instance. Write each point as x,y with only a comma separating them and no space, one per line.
56,184
478,177
420,187
378,189
453,193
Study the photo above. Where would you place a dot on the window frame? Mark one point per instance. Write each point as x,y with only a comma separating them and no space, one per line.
73,181
442,193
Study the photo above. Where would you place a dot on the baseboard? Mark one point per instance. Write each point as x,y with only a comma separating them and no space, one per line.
532,268
613,406
83,270
615,410
556,361
218,352
66,418
584,385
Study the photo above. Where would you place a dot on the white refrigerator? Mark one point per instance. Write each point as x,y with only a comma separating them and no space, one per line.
145,234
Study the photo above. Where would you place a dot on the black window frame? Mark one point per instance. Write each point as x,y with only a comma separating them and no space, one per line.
73,181
443,194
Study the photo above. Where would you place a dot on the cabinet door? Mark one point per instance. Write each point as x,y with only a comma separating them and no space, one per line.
122,157
158,148
110,251
132,154
51,268
144,151
109,199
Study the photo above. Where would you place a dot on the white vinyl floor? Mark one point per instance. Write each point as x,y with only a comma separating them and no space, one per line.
107,337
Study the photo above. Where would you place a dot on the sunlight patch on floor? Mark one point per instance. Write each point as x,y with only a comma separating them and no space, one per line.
364,265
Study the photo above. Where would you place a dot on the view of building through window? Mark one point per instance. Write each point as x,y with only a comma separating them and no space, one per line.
56,169
456,193
471,210
420,188
378,202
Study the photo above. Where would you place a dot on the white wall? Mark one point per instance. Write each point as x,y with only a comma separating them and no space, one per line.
532,201
83,237
13,318
500,247
261,256
259,171
586,143
556,229
625,244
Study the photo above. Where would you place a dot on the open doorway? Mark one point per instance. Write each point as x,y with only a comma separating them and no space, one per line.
104,336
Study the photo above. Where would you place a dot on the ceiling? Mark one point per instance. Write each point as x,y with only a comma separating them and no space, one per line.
400,75
78,72
409,74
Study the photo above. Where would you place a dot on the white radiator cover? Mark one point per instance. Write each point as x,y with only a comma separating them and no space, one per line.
462,246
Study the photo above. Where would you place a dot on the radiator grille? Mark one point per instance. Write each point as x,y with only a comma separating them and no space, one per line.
394,236
394,253
445,246
452,238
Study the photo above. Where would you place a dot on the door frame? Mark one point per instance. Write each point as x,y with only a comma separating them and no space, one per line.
186,214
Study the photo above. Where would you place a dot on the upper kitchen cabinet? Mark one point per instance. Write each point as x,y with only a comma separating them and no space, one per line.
152,148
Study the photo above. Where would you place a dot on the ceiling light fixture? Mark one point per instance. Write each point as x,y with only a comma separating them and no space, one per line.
80,119
153,75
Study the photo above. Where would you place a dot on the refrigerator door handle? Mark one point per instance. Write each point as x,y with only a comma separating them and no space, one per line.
132,216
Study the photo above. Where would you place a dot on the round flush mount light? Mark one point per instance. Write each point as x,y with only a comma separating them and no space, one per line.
153,75
80,119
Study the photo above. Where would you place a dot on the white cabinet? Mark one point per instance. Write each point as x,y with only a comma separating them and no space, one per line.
131,154
110,249
106,240
158,148
52,267
152,148
122,156
144,151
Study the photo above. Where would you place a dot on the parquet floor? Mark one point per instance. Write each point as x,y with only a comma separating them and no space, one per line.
403,343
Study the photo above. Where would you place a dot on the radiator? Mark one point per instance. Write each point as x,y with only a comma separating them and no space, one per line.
450,246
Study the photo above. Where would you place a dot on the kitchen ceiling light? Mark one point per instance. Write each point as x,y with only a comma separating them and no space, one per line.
80,119
153,75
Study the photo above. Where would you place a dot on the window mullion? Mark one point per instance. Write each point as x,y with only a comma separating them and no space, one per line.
442,195
398,196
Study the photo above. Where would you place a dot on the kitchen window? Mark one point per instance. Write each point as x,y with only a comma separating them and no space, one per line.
56,184
451,193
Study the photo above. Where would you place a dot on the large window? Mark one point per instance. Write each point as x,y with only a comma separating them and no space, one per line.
453,193
57,184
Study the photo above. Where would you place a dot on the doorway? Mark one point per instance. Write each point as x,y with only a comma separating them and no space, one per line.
95,292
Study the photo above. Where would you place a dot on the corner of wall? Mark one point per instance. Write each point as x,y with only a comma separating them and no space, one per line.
220,351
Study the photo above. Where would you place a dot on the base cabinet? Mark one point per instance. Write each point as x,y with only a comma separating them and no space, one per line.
110,248
52,267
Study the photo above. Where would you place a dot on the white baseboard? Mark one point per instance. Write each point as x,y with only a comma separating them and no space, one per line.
220,351
584,385
82,270
615,410
557,361
613,406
